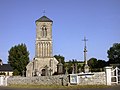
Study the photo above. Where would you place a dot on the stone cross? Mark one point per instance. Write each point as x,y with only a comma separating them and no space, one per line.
85,49
59,60
75,67
86,67
50,71
44,12
73,70
23,73
79,70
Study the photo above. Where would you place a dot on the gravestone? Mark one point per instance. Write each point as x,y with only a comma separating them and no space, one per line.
79,70
35,73
60,68
23,73
73,69
46,70
66,72
50,71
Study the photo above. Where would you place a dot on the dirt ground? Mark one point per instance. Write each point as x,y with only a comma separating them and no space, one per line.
110,88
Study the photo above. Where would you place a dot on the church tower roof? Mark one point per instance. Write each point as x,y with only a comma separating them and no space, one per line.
44,19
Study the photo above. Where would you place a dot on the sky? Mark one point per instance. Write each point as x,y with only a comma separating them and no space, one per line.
97,20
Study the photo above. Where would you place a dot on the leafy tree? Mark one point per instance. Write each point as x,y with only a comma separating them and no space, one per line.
18,58
114,54
101,63
96,65
92,63
60,58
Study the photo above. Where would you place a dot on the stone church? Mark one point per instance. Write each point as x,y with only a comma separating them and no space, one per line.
44,63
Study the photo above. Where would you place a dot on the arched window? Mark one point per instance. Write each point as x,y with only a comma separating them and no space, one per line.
44,31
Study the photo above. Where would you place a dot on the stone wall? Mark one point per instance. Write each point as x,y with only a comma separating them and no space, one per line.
96,79
41,80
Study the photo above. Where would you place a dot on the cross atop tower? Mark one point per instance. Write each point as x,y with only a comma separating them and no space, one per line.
44,12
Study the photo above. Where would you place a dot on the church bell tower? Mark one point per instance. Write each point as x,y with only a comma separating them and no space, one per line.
43,63
43,38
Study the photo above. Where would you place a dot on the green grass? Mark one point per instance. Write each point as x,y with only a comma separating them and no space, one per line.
60,87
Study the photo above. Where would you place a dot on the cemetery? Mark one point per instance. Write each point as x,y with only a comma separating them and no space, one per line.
95,78
41,70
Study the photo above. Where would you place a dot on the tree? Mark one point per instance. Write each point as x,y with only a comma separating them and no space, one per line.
59,57
101,63
92,63
18,58
114,54
96,65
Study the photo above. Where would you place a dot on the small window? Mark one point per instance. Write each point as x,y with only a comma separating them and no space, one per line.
44,31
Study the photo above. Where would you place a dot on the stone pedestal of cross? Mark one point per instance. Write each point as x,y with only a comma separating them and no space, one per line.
86,67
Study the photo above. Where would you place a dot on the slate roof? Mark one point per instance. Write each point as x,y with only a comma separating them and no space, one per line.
44,19
6,67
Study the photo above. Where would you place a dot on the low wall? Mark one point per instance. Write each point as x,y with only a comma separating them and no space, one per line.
96,79
41,80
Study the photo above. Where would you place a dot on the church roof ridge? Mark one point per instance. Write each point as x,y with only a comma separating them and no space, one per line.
44,19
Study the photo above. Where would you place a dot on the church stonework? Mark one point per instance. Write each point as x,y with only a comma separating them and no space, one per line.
43,50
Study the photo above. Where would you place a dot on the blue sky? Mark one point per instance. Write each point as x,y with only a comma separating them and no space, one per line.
98,20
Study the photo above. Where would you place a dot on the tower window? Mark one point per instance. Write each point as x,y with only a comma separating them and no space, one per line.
44,31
